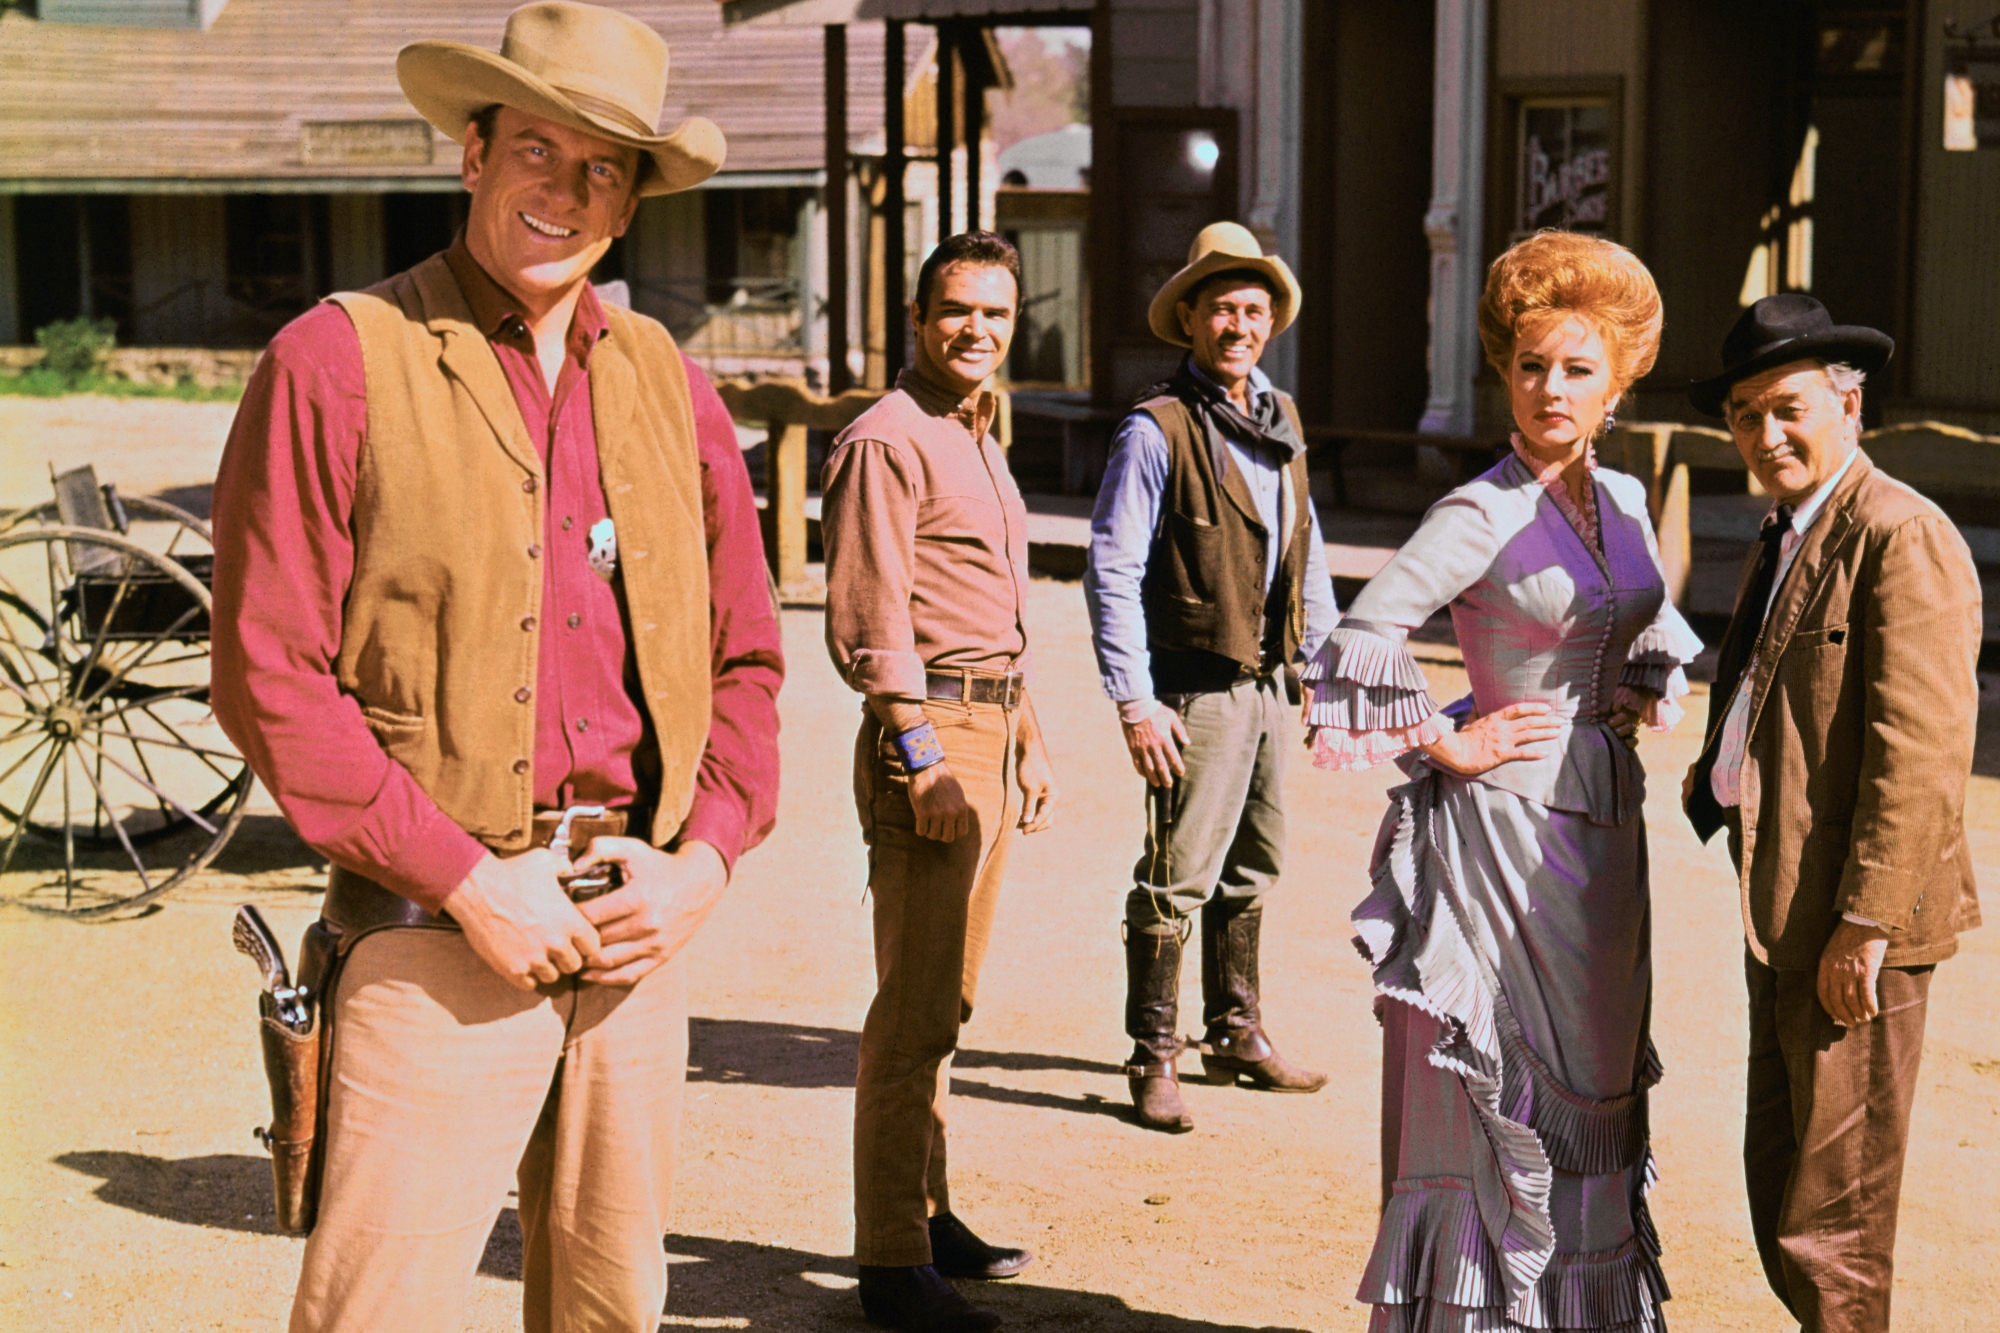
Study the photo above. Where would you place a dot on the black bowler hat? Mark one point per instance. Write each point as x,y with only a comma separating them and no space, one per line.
1785,328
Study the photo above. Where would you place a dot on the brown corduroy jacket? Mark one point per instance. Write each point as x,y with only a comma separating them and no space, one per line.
1861,731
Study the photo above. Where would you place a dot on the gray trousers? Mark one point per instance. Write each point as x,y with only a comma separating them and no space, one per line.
1221,828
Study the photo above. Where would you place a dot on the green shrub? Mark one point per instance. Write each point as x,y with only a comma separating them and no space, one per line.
74,348
42,383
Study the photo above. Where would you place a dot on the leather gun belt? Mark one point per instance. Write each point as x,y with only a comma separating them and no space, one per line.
976,687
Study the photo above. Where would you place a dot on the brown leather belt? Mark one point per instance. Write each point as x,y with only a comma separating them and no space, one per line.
976,687
356,905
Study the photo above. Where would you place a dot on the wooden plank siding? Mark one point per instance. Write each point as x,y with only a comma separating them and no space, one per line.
135,104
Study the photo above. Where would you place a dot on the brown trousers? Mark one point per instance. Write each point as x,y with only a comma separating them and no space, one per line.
1823,1141
934,906
448,1085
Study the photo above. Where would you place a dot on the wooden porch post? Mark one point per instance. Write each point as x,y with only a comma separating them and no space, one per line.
895,304
838,376
975,133
947,123
785,491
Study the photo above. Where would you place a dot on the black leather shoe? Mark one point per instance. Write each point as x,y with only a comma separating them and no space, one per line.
917,1300
956,1252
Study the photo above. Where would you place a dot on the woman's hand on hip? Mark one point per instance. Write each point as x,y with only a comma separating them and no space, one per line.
1496,739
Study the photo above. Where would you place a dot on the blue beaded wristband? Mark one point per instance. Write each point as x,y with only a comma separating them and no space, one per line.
919,748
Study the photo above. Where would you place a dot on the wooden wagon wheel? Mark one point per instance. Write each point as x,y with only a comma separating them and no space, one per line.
116,784
138,506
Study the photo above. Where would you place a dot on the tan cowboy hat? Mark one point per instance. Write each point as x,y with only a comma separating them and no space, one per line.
1222,246
594,70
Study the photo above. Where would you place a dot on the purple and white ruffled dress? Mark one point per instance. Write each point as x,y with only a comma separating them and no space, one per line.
1509,924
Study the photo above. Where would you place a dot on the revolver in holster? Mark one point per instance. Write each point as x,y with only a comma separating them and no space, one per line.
294,1014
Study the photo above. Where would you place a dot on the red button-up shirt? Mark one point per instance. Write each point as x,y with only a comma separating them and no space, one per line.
285,554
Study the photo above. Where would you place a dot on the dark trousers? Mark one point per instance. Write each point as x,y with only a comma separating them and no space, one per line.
1827,1123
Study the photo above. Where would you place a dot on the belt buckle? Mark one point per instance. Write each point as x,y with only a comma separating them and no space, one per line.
590,883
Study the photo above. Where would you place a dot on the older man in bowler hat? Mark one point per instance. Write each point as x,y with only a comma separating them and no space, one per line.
1207,585
488,577
1839,742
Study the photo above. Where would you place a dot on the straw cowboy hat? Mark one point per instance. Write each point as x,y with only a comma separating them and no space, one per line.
1223,246
594,70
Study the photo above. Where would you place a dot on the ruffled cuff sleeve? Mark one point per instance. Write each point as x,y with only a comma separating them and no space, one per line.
1657,665
1370,702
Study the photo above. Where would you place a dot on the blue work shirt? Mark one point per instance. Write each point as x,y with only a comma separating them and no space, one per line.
1121,536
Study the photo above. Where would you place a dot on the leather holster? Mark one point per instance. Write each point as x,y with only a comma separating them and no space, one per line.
299,1065
294,1063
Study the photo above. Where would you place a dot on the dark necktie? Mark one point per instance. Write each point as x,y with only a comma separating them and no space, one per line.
1748,626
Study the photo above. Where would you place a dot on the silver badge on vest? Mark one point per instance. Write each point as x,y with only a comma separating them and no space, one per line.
603,550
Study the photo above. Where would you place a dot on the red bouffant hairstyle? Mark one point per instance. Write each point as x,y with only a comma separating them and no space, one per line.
1554,275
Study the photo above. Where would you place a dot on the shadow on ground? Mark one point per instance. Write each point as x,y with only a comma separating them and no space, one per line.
261,843
734,1284
715,1283
231,1191
791,1055
265,842
197,500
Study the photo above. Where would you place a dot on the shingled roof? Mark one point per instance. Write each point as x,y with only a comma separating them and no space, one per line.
232,106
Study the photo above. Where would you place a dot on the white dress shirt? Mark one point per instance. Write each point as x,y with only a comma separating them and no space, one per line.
1726,778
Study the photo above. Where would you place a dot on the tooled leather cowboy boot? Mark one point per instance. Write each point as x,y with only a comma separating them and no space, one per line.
1152,1012
1234,1047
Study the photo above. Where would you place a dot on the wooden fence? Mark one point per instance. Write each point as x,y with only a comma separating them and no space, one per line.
788,409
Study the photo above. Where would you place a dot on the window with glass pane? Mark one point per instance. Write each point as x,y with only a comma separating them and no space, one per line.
1563,166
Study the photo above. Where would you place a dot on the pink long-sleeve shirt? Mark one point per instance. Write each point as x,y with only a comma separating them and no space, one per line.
285,554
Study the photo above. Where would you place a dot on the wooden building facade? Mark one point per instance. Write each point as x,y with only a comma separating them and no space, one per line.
1739,149
201,184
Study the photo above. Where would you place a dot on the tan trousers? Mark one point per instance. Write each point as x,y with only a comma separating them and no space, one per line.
933,916
447,1086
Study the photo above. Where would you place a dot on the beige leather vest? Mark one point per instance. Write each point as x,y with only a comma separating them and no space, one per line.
443,618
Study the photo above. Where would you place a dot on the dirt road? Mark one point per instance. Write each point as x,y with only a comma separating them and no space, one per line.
132,1196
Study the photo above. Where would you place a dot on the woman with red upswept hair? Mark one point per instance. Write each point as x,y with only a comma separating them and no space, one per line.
1509,923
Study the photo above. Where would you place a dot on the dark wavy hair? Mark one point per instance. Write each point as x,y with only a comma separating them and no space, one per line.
984,249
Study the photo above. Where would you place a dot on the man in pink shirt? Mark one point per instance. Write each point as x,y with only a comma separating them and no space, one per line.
486,551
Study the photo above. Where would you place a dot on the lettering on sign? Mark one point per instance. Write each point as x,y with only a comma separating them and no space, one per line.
1563,167
365,143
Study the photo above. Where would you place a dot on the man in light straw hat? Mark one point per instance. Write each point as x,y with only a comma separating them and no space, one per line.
1207,585
490,593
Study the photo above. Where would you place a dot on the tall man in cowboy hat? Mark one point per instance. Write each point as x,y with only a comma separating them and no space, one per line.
1839,742
1207,585
926,596
486,552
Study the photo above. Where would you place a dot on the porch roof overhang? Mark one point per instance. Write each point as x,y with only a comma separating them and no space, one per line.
820,12
411,183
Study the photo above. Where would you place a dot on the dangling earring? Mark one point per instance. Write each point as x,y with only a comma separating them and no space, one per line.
1610,421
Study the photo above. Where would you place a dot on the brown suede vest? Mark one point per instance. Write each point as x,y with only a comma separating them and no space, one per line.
443,615
1204,586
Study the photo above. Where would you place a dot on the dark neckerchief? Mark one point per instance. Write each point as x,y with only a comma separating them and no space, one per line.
1219,415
